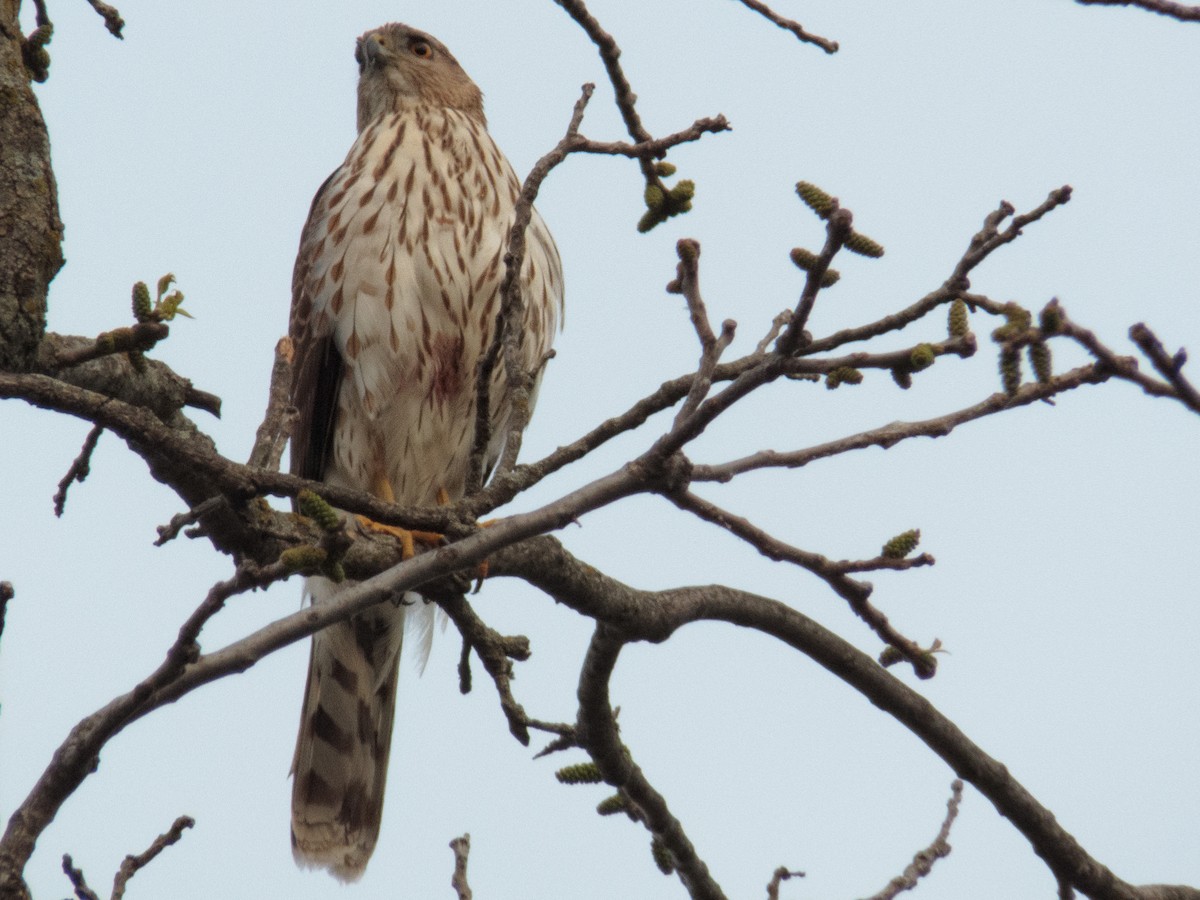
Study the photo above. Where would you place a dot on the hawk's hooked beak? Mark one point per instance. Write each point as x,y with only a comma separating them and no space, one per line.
369,52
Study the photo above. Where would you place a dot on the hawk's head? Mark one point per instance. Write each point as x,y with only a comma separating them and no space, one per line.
399,65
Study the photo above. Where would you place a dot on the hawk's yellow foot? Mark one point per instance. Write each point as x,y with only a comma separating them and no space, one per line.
407,536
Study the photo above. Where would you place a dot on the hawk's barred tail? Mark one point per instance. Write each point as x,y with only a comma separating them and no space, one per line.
341,761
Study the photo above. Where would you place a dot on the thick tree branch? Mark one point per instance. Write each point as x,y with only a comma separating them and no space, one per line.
597,733
654,616
30,227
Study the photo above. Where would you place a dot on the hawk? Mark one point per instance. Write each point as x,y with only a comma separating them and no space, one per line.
394,302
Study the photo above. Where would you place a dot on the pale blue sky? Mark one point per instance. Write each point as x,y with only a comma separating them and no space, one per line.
1066,537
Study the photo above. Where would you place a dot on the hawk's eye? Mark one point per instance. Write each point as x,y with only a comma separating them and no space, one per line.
421,49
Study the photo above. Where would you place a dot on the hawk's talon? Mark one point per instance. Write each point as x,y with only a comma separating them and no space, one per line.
407,537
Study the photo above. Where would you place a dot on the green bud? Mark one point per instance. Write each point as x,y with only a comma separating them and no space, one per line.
142,310
1010,370
612,805
1039,361
649,220
957,323
863,245
922,357
1051,318
662,856
580,773
843,375
303,559
682,193
664,169
902,544
319,510
804,259
1018,316
654,197
815,198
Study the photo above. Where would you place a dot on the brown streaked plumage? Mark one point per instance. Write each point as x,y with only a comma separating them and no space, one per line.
394,299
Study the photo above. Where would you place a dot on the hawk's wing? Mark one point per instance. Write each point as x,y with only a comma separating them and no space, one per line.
317,365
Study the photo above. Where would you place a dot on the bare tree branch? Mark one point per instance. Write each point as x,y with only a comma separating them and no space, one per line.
139,337
1181,11
626,615
112,18
76,758
888,436
462,849
276,427
922,863
82,891
6,594
132,864
597,732
788,25
1169,366
779,876
855,593
79,470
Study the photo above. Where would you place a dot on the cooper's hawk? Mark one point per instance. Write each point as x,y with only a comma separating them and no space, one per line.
395,297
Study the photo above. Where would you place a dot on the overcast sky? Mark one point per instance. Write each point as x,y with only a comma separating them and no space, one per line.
1066,536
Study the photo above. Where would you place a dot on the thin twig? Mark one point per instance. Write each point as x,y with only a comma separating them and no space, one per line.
6,593
79,471
1169,366
132,864
652,148
496,652
1123,367
777,325
610,55
922,863
1180,11
788,25
777,877
837,232
989,238
462,849
889,435
277,422
178,522
82,891
687,283
112,18
856,593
